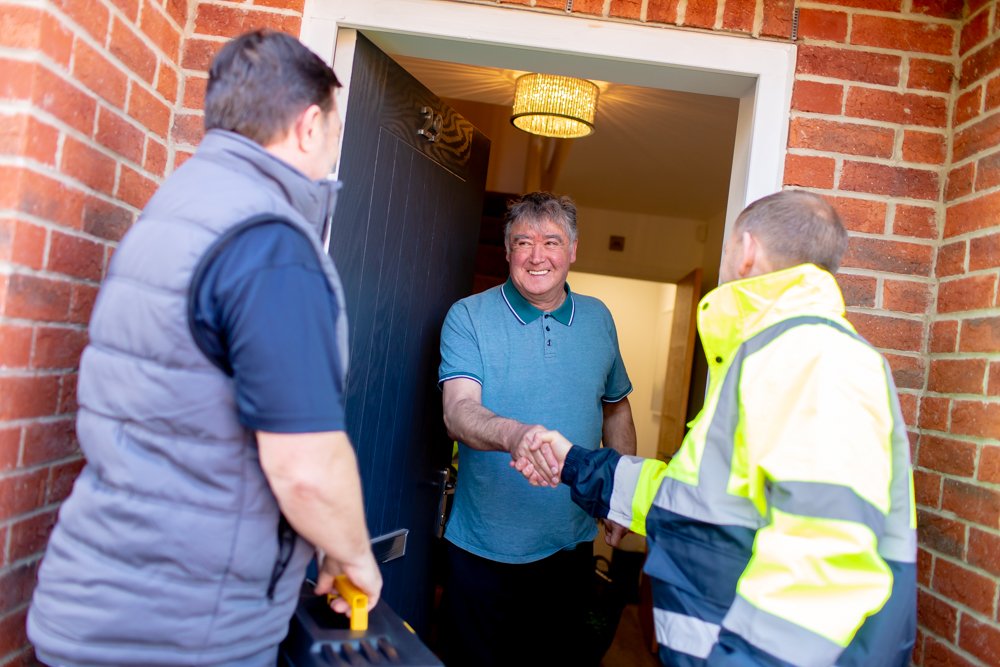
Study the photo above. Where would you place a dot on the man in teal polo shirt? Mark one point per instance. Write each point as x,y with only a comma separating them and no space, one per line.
515,360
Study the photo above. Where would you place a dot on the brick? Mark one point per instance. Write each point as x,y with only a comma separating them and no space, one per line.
17,585
178,9
99,74
916,221
88,165
809,171
34,298
53,94
129,48
21,493
130,8
975,418
63,476
978,65
737,15
198,53
148,110
934,417
981,334
972,215
925,565
960,181
28,247
824,135
589,7
223,21
988,172
967,106
908,407
930,75
816,97
67,393
701,13
917,657
104,219
194,92
942,9
91,15
957,376
964,586
134,188
925,147
156,157
29,137
953,457
15,346
154,24
28,28
904,296
891,256
992,94
23,397
824,25
892,33
973,293
837,63
49,441
980,639
973,6
891,333
950,260
927,488
777,18
75,256
880,179
659,11
993,379
936,615
858,291
83,300
973,32
29,536
180,157
984,550
33,193
13,634
893,107
119,135
989,465
982,135
166,83
626,9
907,372
883,5
57,347
941,534
860,215
939,654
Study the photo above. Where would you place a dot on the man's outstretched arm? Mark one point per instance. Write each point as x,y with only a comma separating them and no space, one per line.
315,478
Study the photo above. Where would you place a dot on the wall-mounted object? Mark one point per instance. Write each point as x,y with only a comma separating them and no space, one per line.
554,106
617,243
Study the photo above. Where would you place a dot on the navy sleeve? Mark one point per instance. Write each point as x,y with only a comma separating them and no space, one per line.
265,314
590,475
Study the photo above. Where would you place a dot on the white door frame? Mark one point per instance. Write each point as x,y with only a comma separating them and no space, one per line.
758,72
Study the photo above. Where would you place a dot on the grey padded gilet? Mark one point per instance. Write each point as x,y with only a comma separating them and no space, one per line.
164,551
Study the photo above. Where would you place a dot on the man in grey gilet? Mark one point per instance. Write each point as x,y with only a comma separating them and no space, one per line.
212,396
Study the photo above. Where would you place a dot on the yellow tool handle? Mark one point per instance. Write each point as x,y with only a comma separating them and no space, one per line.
356,598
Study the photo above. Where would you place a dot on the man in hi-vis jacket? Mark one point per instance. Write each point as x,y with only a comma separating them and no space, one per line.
783,531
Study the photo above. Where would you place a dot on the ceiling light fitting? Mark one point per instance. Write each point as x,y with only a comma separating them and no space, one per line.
554,106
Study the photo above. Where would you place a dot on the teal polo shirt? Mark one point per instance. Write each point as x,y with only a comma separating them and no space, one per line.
553,369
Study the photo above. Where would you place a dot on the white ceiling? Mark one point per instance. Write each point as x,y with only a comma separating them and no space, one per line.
654,151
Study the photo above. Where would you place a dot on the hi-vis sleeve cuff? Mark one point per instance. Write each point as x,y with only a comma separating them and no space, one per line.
610,486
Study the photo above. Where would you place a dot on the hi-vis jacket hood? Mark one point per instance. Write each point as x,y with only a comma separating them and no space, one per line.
783,531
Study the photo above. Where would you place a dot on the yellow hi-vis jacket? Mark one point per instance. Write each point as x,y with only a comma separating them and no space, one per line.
783,532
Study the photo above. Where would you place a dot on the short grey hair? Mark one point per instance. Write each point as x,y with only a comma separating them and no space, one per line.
535,208
796,228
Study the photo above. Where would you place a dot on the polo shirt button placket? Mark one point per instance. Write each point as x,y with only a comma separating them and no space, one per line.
547,337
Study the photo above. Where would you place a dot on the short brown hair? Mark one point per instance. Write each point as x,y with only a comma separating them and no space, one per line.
537,207
796,228
261,81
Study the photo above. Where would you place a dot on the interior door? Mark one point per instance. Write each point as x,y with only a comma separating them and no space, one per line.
676,387
404,240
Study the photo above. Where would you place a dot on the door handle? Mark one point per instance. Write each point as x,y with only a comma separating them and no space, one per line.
447,489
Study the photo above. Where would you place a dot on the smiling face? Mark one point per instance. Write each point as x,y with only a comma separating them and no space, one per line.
540,256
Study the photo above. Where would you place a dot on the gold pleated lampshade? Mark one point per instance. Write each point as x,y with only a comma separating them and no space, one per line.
554,106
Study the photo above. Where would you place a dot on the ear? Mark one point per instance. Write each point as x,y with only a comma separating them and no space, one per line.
749,250
309,129
572,252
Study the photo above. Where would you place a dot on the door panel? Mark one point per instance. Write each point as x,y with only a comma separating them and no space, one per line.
404,240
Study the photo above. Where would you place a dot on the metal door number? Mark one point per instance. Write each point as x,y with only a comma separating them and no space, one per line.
433,124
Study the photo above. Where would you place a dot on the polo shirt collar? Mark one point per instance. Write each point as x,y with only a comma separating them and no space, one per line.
525,312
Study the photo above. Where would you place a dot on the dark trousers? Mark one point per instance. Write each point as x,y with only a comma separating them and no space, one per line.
516,615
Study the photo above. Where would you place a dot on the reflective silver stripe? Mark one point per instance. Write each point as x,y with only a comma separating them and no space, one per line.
626,478
826,501
900,540
685,634
782,639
